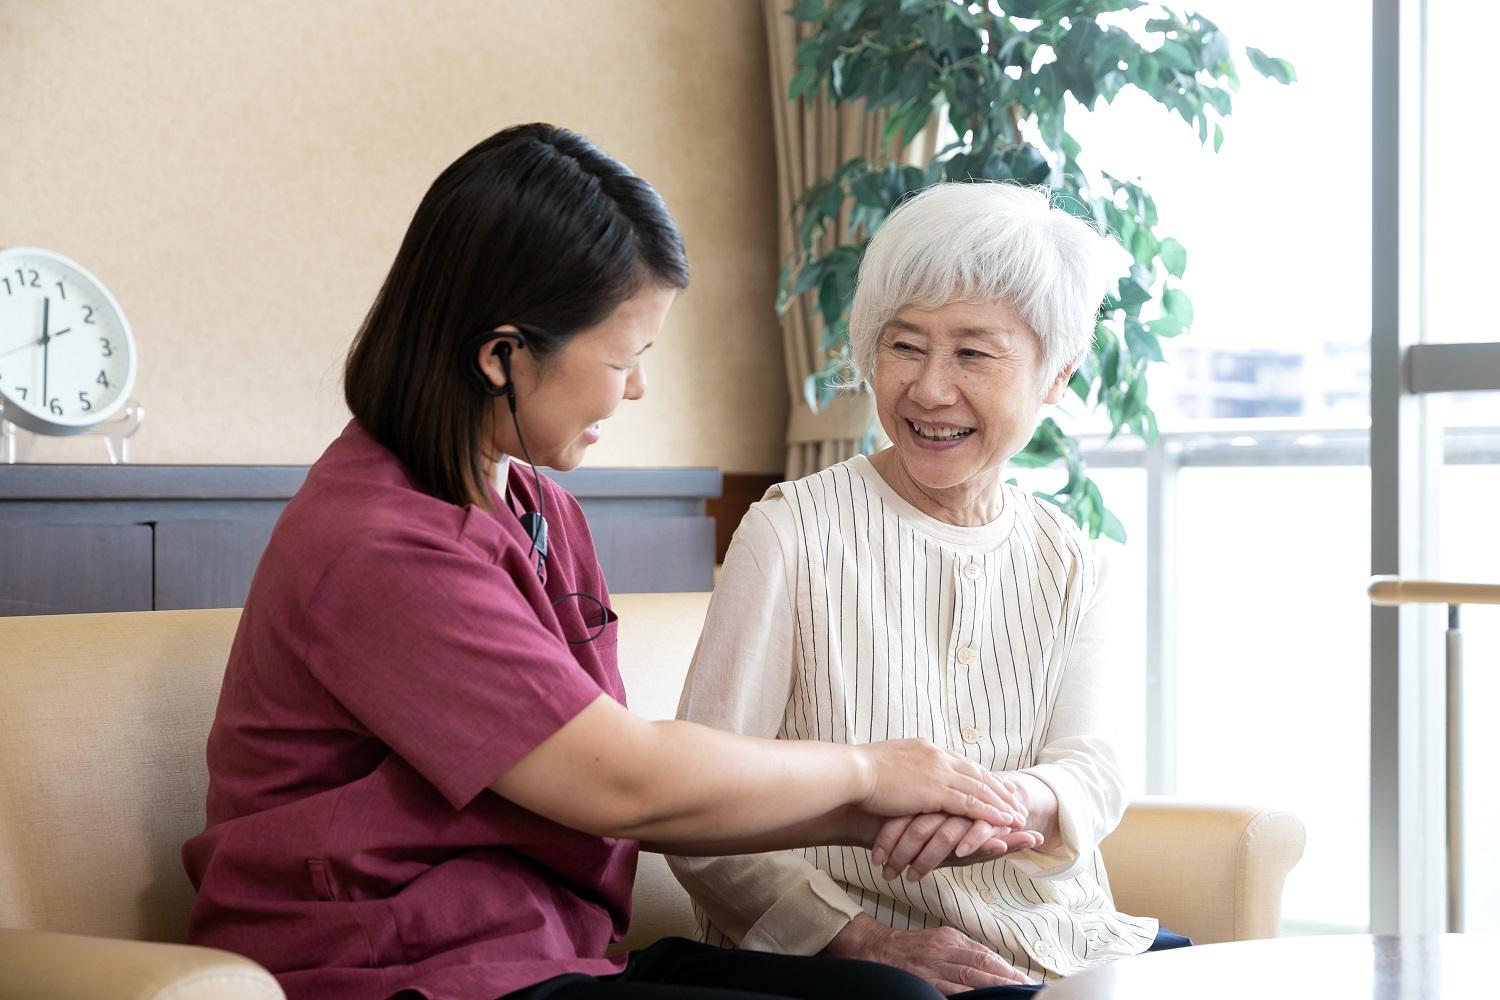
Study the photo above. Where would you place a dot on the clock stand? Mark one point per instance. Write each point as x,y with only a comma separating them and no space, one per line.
16,443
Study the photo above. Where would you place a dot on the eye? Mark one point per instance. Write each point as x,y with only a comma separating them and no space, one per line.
902,347
970,354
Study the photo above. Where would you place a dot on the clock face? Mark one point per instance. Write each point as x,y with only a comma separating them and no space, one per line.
67,358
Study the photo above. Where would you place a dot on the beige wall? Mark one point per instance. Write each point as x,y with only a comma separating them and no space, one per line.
240,173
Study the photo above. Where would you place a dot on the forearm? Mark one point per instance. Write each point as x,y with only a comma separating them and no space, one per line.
610,773
857,939
845,825
714,789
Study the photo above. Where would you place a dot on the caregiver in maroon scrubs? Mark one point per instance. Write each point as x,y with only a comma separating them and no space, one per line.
422,774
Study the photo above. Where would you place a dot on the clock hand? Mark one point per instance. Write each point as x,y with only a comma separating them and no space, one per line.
34,343
46,347
29,343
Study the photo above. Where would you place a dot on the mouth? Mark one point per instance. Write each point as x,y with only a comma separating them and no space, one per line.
938,435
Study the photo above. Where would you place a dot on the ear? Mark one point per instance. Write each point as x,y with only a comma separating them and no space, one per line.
1059,385
488,359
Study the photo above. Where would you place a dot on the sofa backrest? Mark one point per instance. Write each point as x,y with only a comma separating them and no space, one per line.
103,723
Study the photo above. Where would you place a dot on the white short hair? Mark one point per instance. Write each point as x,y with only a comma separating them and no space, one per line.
984,241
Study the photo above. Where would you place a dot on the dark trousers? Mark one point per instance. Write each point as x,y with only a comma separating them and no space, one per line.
679,969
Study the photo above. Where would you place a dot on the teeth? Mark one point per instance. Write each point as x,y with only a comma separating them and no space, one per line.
940,433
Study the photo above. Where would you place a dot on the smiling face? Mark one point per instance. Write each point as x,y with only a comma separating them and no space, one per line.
958,390
561,402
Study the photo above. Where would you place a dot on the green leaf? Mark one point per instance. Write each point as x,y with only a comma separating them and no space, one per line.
1143,247
1218,137
1271,67
809,277
800,85
1178,306
830,304
1112,528
1167,326
1132,295
1173,256
1140,341
1081,385
807,10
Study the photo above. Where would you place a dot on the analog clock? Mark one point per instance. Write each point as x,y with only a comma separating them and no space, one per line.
67,358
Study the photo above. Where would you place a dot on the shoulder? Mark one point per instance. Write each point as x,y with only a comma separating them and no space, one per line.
833,490
1058,539
791,510
358,509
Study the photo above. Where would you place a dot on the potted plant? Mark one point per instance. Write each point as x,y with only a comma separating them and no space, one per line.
1000,74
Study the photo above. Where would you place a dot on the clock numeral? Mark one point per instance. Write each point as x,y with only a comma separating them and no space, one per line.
22,390
55,406
101,380
7,285
61,291
109,351
33,281
83,397
88,317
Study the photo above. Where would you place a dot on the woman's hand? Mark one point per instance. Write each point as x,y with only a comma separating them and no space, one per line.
910,777
1040,802
947,958
919,844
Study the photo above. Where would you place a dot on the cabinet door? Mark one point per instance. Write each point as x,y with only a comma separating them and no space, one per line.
56,569
209,563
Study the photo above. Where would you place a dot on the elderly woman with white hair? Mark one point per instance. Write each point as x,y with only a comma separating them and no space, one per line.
914,593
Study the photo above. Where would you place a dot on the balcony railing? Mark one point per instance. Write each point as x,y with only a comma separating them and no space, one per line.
1247,619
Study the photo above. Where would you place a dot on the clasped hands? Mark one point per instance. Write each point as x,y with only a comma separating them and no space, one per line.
915,845
911,847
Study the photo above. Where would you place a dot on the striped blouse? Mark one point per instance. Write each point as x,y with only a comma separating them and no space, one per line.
844,613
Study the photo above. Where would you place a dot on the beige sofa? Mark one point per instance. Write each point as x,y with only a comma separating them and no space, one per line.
102,778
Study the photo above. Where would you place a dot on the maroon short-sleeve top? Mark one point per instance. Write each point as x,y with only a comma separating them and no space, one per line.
396,654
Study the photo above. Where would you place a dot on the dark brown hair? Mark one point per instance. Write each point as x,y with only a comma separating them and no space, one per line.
534,226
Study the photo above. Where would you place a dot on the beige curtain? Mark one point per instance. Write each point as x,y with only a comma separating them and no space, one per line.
812,139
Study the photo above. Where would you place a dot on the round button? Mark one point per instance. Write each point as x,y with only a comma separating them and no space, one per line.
965,655
989,896
970,734
972,571
1041,949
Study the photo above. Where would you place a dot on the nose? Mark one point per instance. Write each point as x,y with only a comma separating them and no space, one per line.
635,383
933,386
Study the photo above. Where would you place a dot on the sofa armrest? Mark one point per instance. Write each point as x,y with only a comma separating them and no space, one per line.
1212,872
40,965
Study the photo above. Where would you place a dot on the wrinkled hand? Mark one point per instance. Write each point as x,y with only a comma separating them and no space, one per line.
947,958
918,844
910,777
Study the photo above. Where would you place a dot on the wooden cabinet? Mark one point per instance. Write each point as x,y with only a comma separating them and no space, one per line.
131,538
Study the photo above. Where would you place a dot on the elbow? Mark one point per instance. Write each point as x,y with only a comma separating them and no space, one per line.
632,797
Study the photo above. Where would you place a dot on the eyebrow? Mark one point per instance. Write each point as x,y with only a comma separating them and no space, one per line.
969,332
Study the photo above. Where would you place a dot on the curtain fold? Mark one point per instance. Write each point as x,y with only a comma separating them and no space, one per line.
812,138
